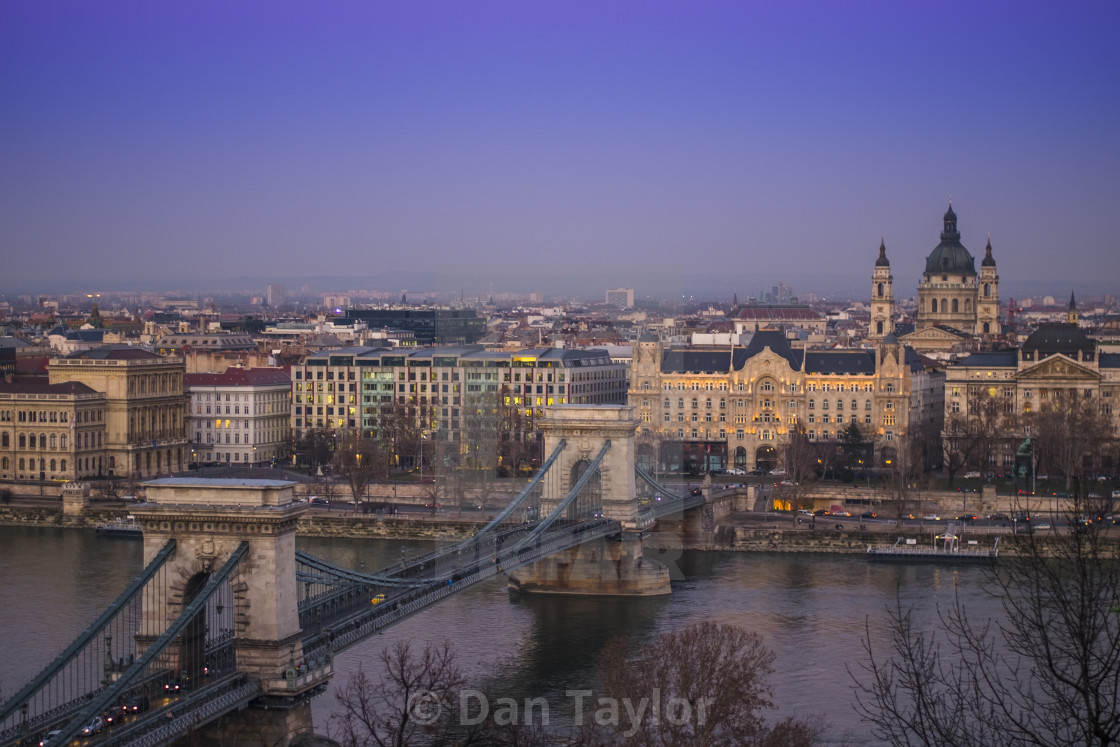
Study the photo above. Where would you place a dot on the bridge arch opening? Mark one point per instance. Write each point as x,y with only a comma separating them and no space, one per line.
192,641
589,503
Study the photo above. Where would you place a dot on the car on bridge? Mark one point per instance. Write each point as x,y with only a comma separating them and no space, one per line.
93,727
49,738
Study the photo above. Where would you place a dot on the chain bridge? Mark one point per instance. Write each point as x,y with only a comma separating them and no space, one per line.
229,630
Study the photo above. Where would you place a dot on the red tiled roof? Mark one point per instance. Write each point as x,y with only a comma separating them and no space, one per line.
234,376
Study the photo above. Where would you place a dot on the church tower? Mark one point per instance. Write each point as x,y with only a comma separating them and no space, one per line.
882,297
1071,313
987,295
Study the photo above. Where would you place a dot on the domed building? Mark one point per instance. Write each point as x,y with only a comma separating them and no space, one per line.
951,293
955,303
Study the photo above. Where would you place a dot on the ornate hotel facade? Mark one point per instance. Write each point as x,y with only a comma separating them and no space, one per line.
740,403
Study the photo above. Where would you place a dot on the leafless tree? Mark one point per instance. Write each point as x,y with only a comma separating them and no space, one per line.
359,462
413,699
1071,431
800,460
710,683
1046,673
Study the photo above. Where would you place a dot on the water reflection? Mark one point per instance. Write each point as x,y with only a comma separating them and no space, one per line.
812,610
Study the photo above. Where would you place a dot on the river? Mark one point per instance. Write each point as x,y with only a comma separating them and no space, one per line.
811,609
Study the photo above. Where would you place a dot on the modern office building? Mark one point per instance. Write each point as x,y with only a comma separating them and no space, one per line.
431,326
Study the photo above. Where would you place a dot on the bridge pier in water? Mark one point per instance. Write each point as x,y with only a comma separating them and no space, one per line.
605,566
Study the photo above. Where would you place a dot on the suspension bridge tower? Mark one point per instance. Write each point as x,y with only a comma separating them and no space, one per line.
209,519
602,433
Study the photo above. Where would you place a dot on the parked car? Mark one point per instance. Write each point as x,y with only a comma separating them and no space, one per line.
756,473
736,471
778,471
931,517
971,475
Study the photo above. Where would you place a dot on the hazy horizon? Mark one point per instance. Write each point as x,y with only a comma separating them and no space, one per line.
731,145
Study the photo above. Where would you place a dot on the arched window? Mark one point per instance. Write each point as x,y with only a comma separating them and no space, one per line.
987,290
63,466
4,440
933,306
880,290
968,306
956,306
21,464
22,442
944,306
987,328
54,442
52,465
878,328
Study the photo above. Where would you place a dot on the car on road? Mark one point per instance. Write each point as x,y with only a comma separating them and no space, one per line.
931,517
971,475
137,704
778,472
736,471
93,727
318,500
756,473
804,512
1043,525
49,737
869,515
967,518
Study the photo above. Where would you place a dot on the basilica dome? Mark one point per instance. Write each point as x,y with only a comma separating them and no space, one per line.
950,257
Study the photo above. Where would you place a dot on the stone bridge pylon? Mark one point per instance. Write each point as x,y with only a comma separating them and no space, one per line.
613,566
209,519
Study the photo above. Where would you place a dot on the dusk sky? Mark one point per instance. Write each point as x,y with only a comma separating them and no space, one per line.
752,141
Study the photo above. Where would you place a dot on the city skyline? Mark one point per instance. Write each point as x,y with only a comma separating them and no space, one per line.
750,144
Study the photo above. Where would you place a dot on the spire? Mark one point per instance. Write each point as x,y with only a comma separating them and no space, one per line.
1072,302
989,260
882,261
1071,315
950,233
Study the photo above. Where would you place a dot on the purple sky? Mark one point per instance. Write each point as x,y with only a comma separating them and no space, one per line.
758,141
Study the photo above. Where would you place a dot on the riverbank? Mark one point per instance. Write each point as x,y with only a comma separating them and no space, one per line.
743,532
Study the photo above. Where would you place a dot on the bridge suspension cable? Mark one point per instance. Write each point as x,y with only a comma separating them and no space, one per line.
541,527
95,628
114,691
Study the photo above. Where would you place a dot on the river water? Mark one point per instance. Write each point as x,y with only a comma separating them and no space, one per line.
811,609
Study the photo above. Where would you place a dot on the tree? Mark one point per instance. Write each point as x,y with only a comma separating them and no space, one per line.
1047,673
359,462
710,682
1071,432
799,457
414,699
